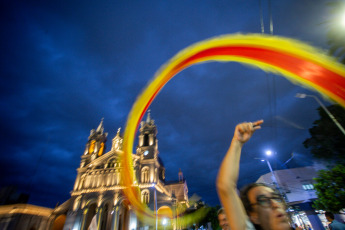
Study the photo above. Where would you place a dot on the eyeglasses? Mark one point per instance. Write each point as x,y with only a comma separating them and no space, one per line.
266,202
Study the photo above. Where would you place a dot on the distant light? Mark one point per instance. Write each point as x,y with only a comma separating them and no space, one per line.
301,95
133,226
153,184
262,160
268,152
164,221
112,212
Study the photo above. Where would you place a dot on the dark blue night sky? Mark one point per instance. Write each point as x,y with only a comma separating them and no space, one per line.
65,65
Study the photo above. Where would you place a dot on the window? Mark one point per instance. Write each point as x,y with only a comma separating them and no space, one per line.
111,163
92,146
146,140
145,196
100,151
308,187
145,175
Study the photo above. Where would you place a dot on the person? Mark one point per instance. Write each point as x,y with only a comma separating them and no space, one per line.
261,206
223,222
334,225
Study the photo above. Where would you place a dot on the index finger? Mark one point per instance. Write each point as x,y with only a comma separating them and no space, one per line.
257,124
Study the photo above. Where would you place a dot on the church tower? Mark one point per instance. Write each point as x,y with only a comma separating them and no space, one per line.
148,143
95,147
117,141
151,167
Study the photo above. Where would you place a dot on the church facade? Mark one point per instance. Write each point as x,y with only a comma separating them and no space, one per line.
97,199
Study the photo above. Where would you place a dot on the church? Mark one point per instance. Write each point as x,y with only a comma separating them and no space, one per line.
97,199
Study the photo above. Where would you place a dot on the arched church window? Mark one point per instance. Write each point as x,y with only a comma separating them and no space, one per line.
145,196
111,163
92,146
101,148
145,175
146,140
76,203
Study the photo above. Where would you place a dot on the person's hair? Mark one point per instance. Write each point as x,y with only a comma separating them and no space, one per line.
220,211
330,215
244,195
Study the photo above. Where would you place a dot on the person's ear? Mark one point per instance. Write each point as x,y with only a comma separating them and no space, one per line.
254,218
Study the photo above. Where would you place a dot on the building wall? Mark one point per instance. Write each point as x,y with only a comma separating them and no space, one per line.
26,216
295,183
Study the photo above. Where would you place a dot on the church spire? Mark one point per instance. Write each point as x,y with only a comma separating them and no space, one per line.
117,141
100,126
180,176
148,118
148,143
95,147
118,132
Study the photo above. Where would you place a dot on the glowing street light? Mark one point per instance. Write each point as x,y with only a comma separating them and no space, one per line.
302,95
268,152
164,222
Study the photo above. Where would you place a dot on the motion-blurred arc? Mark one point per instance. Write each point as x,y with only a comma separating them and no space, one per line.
292,59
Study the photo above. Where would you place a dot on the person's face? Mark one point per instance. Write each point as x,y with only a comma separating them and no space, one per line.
268,213
223,222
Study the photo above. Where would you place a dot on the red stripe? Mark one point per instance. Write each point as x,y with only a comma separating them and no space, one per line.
306,69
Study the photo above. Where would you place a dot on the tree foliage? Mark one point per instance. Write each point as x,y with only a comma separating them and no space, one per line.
336,30
327,141
211,217
330,189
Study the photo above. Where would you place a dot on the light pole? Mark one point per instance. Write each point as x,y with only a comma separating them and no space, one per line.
174,201
274,178
155,203
302,95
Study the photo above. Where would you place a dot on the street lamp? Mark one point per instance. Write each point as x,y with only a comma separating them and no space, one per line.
302,95
268,152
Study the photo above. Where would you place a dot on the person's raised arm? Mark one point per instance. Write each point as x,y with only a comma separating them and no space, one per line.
228,175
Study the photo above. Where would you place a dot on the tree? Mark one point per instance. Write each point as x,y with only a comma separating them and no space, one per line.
330,189
211,217
327,141
336,30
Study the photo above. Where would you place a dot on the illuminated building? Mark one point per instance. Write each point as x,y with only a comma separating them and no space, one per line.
97,198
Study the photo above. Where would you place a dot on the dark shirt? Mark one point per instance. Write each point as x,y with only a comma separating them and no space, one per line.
336,225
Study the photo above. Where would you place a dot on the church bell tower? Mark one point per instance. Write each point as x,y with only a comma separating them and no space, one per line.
95,146
148,143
